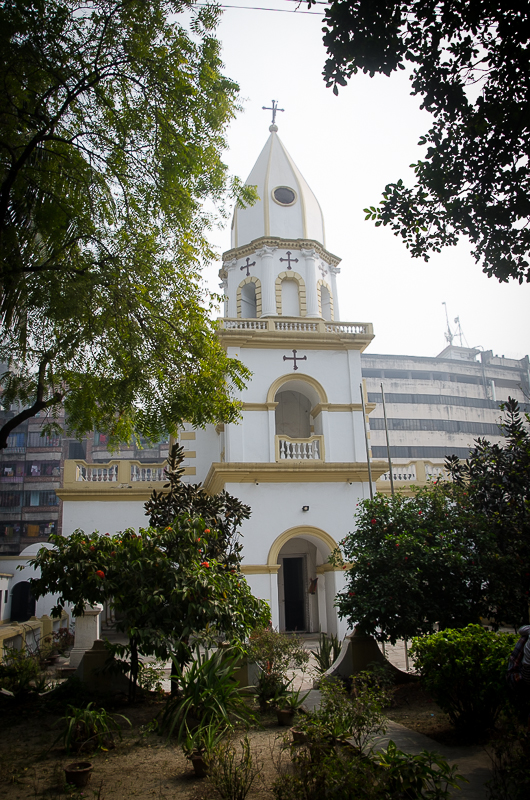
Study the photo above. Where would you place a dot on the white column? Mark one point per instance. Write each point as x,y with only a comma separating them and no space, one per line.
328,450
268,282
333,272
311,283
272,435
86,632
275,611
224,289
231,287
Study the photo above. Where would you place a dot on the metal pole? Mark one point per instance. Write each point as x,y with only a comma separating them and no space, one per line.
366,443
387,443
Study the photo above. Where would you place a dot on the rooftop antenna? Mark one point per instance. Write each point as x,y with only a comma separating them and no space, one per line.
274,110
460,332
448,334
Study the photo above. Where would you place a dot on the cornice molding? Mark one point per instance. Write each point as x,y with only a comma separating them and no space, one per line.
281,340
221,473
275,242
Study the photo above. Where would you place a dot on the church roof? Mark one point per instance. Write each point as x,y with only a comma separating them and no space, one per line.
287,207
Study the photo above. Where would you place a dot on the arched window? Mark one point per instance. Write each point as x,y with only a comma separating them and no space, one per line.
248,301
290,299
325,302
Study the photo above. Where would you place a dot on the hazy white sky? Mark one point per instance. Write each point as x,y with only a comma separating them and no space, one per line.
347,148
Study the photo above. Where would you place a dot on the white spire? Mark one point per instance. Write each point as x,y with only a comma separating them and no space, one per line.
287,207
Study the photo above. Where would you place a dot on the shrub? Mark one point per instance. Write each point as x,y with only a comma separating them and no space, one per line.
89,728
207,692
18,671
464,672
231,775
424,775
342,717
275,653
328,651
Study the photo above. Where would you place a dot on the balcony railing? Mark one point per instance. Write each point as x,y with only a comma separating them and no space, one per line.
96,474
147,473
298,325
415,472
288,449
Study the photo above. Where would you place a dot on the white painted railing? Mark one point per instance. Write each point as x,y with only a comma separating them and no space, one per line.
311,449
93,473
434,472
245,324
407,472
147,473
297,325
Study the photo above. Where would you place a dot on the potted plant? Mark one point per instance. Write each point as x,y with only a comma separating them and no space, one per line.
288,705
62,641
199,744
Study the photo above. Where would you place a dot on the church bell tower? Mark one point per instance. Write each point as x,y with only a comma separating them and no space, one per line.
298,457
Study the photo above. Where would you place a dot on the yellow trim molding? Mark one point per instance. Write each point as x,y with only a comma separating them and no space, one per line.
260,569
301,531
187,435
222,473
258,406
278,383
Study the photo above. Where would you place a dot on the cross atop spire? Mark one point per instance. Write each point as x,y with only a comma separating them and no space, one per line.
274,109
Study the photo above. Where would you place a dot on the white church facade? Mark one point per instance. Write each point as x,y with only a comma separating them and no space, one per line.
298,457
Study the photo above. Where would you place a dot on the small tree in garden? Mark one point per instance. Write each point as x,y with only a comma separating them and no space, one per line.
222,511
496,479
161,584
178,579
415,564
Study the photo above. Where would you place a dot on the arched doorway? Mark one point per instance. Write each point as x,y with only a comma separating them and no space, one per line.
22,602
306,585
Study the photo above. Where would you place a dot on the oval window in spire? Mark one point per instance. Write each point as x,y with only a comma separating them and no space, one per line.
284,195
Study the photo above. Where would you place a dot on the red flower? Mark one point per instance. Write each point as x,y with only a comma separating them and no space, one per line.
397,545
107,534
420,513
207,530
100,573
352,594
92,547
113,553
406,558
204,564
374,521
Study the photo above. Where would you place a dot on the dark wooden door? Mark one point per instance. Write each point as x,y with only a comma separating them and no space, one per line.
294,595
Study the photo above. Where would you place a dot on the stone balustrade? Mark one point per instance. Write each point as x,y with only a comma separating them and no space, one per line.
288,449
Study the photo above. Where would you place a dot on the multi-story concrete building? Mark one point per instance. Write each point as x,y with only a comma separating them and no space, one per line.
438,406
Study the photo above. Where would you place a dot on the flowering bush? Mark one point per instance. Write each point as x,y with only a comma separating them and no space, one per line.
413,564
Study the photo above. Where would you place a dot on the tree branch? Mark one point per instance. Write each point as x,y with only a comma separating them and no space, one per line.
37,406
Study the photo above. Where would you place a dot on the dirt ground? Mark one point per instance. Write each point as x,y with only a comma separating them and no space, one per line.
143,765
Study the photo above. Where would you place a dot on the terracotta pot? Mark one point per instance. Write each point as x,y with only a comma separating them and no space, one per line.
200,766
78,773
285,716
299,737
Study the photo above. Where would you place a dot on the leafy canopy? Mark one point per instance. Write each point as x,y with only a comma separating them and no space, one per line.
496,479
469,64
112,122
168,584
413,565
451,553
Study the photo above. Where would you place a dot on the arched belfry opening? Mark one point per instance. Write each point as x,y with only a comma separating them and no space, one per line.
298,431
290,298
293,414
248,301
